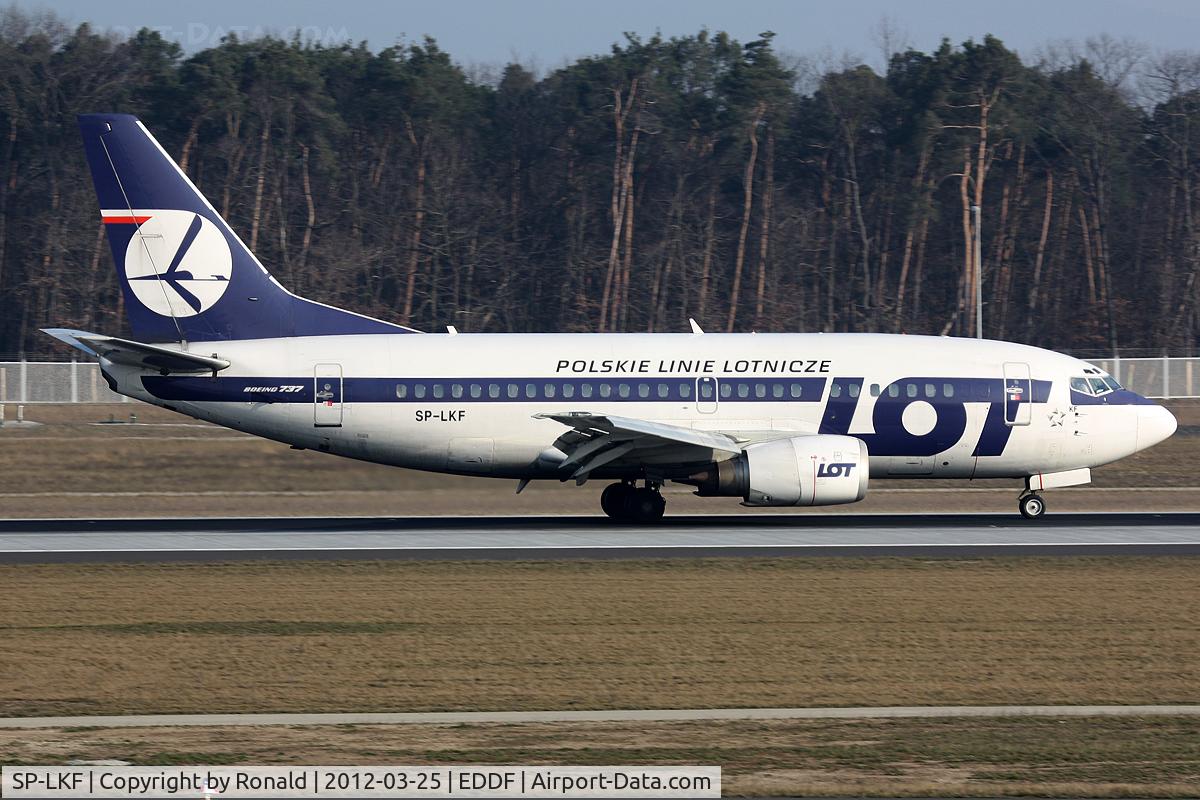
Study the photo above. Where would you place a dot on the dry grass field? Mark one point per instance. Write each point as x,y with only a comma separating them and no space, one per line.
413,636
169,465
1073,757
404,636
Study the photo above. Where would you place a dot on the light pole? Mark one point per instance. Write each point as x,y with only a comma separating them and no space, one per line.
978,259
976,254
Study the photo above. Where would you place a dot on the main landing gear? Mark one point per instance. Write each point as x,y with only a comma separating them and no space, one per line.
1031,505
625,502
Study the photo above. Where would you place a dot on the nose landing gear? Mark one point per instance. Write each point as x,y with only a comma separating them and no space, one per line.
1031,505
625,502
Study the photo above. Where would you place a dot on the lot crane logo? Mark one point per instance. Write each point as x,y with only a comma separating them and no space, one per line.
178,263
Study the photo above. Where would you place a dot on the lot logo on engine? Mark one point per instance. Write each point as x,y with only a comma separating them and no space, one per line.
834,470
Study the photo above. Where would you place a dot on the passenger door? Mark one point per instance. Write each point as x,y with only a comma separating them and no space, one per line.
327,395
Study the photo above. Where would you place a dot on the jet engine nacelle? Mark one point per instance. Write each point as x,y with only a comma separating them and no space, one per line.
822,470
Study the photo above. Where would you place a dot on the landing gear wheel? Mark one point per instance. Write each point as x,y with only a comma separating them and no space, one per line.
645,505
615,499
1032,506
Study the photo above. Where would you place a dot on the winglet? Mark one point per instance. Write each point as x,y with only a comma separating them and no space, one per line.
696,329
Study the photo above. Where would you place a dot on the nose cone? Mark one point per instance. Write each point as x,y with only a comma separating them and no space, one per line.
1154,425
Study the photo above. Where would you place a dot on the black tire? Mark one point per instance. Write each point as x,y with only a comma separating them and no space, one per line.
615,498
645,505
1031,506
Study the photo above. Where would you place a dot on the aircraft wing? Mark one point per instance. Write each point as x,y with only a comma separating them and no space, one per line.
595,440
137,354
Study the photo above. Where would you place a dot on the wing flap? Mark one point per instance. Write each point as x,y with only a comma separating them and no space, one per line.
607,424
598,440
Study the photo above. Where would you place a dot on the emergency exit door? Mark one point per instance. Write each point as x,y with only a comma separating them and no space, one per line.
706,395
327,395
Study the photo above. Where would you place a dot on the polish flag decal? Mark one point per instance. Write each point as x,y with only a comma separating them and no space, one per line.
123,219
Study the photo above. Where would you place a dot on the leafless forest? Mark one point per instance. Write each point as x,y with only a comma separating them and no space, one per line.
672,177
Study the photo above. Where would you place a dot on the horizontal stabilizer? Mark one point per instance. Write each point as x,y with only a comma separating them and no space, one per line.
137,354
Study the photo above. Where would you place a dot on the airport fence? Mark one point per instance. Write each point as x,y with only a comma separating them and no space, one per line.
54,382
80,381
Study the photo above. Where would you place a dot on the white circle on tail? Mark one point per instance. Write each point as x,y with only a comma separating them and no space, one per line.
178,263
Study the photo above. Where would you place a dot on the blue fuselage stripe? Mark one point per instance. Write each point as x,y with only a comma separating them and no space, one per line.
478,390
843,396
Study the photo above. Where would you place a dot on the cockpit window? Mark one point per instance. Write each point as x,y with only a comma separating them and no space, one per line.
1094,386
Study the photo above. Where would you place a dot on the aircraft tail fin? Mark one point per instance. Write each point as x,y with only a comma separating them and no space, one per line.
185,274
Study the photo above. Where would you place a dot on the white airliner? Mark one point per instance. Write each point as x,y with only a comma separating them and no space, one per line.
775,419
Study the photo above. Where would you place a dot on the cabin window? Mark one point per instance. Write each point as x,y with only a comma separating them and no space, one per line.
549,389
419,391
439,391
948,389
568,390
456,390
586,390
476,391
910,389
855,389
760,390
726,390
930,391
835,390
685,390
513,391
643,390
874,390
494,391
623,389
530,391
743,390
401,391
664,391
606,390
796,390
893,390
777,391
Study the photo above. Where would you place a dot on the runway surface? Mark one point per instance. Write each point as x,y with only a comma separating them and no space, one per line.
614,715
192,539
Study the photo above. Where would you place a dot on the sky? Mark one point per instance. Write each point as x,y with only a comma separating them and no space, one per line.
548,33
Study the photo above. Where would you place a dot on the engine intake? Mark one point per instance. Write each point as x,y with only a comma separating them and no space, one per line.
821,470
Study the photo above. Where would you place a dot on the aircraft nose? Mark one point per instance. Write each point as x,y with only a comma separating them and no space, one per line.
1154,424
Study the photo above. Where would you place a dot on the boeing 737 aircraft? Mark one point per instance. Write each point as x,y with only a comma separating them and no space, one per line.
775,419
